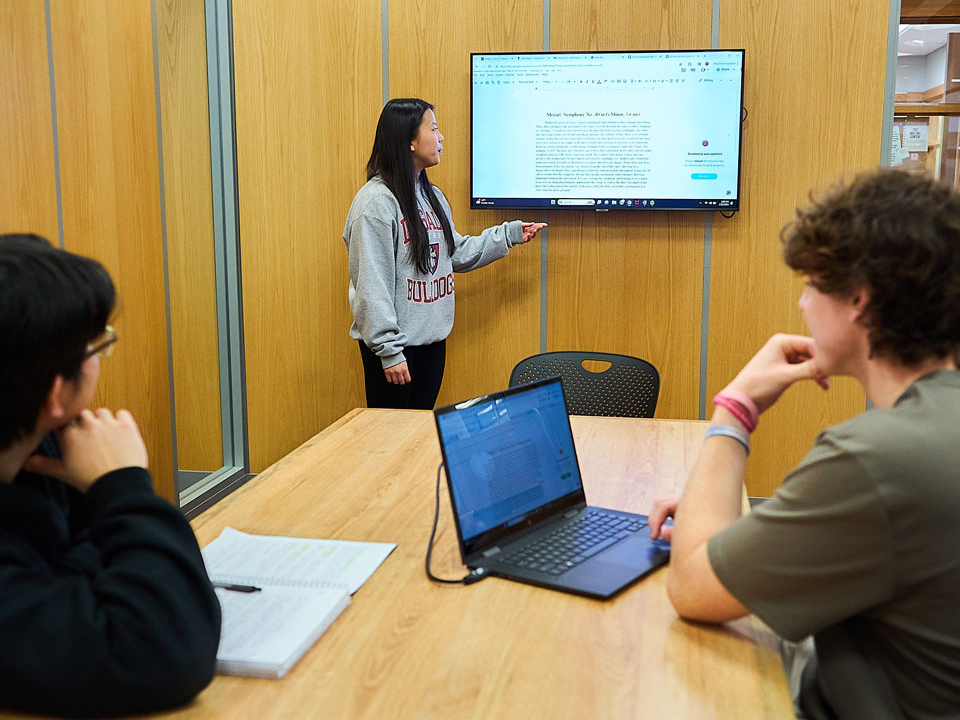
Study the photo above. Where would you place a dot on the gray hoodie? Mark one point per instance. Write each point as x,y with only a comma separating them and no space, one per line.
394,305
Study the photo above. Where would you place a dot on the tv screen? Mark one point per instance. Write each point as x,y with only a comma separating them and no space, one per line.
644,130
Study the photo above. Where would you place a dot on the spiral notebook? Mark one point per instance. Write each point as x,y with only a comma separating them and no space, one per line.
302,586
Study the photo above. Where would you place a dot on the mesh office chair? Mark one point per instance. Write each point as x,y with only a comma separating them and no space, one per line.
628,388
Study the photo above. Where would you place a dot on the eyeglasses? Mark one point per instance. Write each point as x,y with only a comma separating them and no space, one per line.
102,345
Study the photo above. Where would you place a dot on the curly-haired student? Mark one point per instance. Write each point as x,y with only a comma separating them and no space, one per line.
858,547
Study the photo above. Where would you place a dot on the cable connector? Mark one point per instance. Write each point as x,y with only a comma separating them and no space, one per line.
476,575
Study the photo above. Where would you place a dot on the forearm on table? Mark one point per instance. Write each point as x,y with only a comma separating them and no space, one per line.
712,500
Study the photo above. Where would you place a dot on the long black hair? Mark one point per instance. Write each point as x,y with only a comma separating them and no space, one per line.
392,161
52,304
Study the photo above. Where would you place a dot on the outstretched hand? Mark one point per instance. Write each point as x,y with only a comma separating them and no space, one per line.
530,230
93,445
782,361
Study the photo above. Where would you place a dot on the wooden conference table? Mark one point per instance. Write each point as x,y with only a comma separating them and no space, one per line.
408,648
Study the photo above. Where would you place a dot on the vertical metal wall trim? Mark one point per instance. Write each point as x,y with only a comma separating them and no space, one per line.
890,93
238,376
715,26
214,82
705,312
232,365
707,255
544,269
544,234
385,49
546,25
163,237
889,97
53,118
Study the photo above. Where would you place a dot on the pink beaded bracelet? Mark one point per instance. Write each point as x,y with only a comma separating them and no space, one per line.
745,401
735,409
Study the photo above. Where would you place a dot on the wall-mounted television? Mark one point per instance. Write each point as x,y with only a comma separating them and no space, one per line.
641,130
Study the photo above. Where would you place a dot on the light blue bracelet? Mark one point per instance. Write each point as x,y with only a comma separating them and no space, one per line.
731,432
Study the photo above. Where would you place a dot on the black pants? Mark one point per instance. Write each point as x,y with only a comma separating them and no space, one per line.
425,363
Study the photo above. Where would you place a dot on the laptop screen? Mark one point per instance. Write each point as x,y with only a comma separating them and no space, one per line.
510,460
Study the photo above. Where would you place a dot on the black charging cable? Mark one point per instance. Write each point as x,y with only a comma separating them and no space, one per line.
475,575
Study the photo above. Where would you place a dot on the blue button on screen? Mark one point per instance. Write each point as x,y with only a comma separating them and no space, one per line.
704,176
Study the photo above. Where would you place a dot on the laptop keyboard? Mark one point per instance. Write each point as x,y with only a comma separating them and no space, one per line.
593,532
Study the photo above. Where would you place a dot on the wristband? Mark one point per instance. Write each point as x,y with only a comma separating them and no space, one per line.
721,400
745,401
730,432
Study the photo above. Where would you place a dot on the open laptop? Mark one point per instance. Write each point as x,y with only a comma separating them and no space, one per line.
517,495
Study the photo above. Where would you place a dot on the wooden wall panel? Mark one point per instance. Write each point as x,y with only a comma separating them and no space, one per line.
28,191
308,94
498,307
631,283
181,35
797,65
106,107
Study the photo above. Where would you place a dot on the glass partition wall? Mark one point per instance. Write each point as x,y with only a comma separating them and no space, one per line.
193,69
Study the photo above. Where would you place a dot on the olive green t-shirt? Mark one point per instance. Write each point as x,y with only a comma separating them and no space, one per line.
860,547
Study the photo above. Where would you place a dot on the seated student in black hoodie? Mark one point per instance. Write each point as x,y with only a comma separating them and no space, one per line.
105,606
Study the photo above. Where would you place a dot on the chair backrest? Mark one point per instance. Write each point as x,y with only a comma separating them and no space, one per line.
628,388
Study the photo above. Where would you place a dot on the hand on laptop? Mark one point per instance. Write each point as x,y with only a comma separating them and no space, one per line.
663,510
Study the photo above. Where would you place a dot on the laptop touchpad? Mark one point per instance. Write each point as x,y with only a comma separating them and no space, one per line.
637,551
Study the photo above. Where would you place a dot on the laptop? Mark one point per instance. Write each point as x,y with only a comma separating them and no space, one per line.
518,499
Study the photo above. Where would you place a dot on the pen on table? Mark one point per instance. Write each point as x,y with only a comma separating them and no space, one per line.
236,588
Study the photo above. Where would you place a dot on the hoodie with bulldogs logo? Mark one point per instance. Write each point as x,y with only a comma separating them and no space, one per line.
395,305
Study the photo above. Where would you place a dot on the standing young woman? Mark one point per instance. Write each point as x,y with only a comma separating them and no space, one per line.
403,251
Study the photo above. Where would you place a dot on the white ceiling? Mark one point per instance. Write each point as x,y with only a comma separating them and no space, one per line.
923,39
